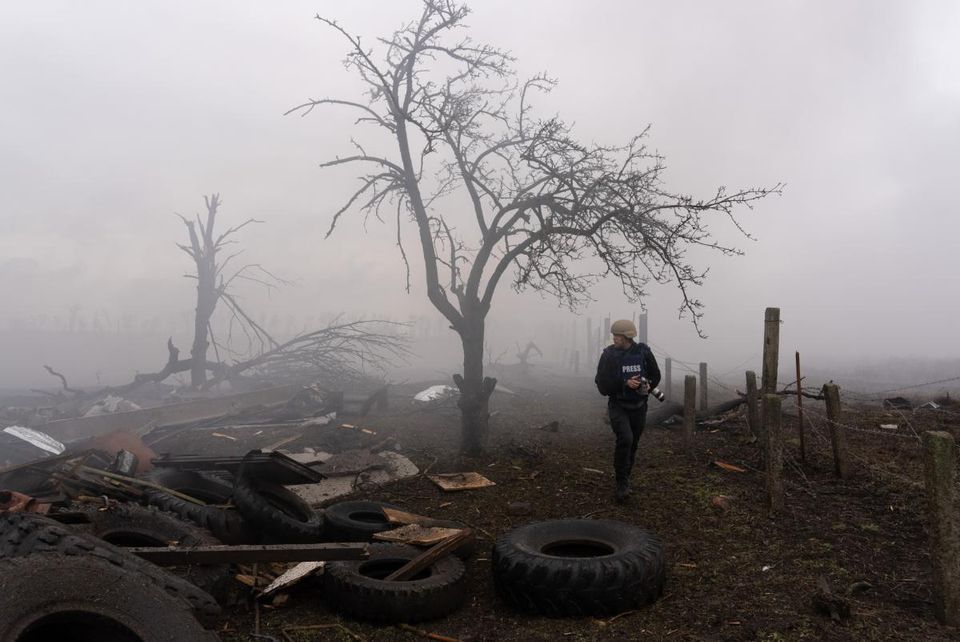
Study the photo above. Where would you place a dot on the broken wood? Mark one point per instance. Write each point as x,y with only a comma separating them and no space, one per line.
460,481
429,556
426,634
173,556
417,535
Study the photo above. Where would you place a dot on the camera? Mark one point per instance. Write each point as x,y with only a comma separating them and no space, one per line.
656,392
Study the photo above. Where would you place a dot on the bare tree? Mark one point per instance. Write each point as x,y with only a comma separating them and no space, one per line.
213,286
539,200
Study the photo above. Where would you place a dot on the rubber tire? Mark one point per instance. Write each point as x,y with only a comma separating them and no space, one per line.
351,592
23,534
530,579
131,525
279,512
226,524
47,585
356,521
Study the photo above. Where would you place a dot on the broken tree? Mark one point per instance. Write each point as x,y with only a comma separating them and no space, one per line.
539,200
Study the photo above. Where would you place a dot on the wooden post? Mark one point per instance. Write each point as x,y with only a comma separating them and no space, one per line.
689,409
753,405
774,451
838,438
576,362
771,350
642,327
803,446
603,333
667,384
589,345
939,462
703,386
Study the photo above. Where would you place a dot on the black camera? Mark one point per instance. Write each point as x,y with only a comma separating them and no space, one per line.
656,392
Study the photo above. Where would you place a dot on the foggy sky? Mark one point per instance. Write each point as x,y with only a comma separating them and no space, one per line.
116,115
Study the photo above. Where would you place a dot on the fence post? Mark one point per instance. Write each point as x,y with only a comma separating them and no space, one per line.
689,409
803,445
774,452
771,350
703,386
838,437
753,405
576,362
667,384
589,345
939,463
642,327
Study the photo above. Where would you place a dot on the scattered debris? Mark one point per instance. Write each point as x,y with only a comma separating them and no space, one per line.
593,470
434,393
223,436
292,576
931,405
889,426
827,602
417,535
460,481
721,502
728,467
519,508
899,403
109,405
39,439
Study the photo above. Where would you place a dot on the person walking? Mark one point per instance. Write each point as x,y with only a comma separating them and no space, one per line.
626,373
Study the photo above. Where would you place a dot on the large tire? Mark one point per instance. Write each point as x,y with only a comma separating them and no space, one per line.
226,524
356,588
578,567
279,512
355,521
88,599
23,534
128,525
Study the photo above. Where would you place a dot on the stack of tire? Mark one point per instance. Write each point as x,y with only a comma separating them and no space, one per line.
358,589
241,510
59,584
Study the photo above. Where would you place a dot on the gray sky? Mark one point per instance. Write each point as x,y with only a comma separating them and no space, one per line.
116,115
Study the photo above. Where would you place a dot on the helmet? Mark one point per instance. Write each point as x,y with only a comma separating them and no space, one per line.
624,327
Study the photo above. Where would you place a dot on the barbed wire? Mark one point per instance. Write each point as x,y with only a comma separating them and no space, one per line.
810,411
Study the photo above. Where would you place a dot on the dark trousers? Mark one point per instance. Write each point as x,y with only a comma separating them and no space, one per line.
627,425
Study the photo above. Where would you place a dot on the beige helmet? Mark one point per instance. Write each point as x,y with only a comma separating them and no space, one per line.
624,327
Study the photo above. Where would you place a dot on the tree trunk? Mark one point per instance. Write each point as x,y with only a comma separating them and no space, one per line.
475,389
206,303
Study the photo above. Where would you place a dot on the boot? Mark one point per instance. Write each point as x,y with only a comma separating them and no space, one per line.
623,491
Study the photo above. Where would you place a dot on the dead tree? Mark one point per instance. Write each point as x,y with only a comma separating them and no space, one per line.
214,282
524,355
539,200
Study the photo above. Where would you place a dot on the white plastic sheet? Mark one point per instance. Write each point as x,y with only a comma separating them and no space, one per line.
41,440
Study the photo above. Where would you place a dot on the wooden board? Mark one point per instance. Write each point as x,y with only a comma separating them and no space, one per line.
460,481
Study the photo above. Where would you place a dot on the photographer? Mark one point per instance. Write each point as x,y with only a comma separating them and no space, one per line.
625,375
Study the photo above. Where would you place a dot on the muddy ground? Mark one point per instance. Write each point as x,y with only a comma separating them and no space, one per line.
734,573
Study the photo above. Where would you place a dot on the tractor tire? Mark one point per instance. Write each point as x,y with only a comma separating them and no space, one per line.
129,525
48,596
578,567
278,512
23,534
357,588
226,524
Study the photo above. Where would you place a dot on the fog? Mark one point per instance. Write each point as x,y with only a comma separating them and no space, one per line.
118,115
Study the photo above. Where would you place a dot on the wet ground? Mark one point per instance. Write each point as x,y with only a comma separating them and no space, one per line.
734,572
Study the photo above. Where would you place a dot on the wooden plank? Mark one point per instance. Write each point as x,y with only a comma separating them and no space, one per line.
173,556
428,557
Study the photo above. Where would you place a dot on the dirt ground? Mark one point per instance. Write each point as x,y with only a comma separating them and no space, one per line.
733,574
